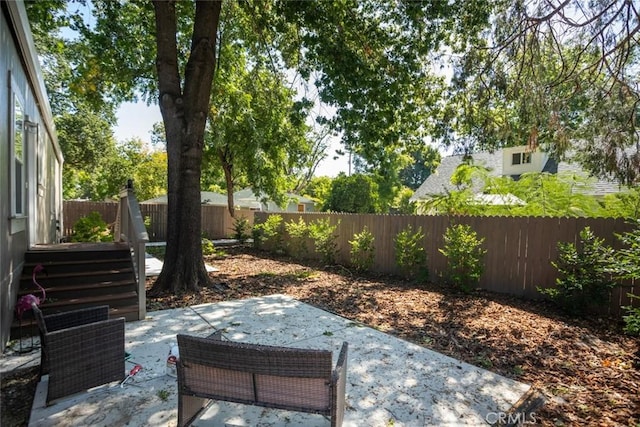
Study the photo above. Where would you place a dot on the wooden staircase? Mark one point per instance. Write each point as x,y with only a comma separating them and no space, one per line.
79,275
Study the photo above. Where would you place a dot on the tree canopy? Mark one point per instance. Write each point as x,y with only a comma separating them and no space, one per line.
357,193
559,75
423,161
256,132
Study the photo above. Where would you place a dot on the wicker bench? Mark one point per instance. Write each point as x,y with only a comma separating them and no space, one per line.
275,377
80,349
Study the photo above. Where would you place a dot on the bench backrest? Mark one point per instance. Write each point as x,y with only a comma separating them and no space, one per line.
279,377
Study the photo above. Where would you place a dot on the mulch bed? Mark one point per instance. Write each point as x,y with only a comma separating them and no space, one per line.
16,395
587,370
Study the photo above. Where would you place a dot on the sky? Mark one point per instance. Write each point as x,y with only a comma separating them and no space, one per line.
137,119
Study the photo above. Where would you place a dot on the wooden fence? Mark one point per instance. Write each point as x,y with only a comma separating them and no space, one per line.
519,249
217,223
74,210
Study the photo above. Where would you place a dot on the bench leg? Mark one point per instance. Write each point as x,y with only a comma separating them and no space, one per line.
189,407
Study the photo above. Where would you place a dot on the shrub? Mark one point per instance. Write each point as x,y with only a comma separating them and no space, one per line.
410,255
157,251
298,235
257,235
632,319
464,253
241,229
269,233
626,264
91,228
322,232
584,274
362,250
207,247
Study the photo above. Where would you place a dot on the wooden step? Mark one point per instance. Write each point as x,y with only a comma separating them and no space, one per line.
85,289
115,300
129,312
55,269
97,285
79,279
73,303
55,266
77,252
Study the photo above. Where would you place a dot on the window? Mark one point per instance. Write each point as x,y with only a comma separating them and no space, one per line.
520,158
18,152
301,207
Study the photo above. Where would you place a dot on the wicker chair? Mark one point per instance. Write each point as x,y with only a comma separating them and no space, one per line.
80,349
274,377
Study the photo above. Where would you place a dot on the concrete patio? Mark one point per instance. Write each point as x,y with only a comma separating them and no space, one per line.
389,381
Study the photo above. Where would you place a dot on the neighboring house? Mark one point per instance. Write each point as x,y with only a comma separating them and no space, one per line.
248,200
513,162
30,158
295,203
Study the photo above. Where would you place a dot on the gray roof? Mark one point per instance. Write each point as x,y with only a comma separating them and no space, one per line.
206,198
243,198
439,182
248,194
599,186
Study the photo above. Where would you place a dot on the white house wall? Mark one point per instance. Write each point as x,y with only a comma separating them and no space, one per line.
538,160
20,72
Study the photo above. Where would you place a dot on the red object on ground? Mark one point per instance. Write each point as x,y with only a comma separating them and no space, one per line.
132,372
135,370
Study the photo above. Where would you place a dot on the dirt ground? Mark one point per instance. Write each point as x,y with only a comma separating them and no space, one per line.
587,370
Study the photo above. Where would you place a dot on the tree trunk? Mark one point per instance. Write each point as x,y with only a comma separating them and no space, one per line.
227,167
184,114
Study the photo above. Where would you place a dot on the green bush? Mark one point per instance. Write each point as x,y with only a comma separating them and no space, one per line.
269,234
241,229
207,247
362,250
632,319
584,274
298,235
91,228
410,255
324,237
257,235
157,251
626,264
464,253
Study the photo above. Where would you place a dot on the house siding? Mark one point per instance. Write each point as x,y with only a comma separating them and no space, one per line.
42,165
